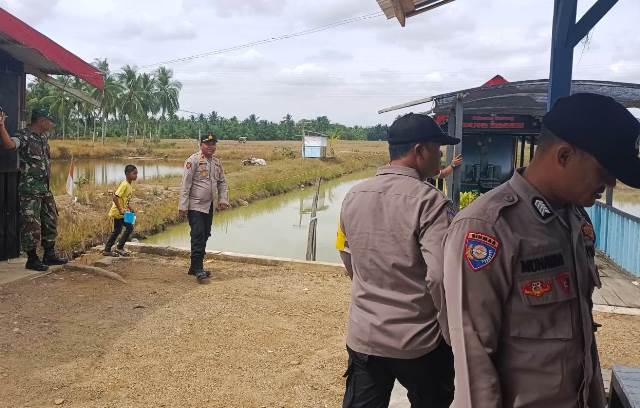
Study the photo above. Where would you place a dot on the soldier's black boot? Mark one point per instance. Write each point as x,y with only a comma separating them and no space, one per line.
33,262
192,272
50,258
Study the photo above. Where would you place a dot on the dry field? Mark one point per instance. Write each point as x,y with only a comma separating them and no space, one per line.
256,336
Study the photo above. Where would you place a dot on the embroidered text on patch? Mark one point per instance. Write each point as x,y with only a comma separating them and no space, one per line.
544,262
537,288
541,207
480,250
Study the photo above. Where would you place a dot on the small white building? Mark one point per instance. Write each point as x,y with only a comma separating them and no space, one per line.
314,145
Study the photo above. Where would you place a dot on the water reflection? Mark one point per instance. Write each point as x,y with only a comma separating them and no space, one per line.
101,172
275,226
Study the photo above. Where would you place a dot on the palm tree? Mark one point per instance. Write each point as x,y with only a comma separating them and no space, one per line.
132,99
167,93
150,102
108,96
58,101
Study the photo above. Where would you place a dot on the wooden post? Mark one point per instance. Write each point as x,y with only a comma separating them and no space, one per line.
313,222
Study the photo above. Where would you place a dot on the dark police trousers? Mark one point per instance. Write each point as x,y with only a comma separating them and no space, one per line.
200,224
428,379
118,224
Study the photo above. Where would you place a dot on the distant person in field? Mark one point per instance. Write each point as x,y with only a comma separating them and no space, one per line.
121,205
39,221
204,190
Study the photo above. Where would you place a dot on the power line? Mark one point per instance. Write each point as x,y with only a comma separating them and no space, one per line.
269,40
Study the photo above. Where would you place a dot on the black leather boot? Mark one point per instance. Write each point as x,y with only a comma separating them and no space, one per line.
50,258
33,262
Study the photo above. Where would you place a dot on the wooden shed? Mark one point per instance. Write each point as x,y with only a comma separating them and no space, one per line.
23,50
314,145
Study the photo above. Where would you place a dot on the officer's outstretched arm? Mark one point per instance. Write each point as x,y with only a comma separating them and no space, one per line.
477,285
187,178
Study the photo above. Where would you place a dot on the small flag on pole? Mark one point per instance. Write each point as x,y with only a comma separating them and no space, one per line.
70,178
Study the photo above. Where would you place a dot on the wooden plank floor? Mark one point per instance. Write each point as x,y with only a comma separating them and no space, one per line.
618,288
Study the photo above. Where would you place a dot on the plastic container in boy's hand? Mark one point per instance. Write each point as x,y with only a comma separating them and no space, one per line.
129,217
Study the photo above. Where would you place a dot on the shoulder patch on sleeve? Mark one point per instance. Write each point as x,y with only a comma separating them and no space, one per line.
480,250
188,165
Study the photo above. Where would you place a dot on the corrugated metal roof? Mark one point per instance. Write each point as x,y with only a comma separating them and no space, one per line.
523,97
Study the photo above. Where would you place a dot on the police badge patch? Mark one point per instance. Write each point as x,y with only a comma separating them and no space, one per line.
480,250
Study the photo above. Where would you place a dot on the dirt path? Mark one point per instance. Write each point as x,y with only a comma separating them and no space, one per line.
256,336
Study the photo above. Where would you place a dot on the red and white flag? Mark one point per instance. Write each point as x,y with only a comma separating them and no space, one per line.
70,178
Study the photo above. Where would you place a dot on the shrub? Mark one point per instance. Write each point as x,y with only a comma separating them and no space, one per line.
467,198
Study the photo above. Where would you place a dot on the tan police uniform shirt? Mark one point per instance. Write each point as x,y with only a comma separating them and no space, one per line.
203,184
394,225
519,279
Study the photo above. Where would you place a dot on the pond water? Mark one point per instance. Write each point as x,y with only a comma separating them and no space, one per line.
109,171
276,226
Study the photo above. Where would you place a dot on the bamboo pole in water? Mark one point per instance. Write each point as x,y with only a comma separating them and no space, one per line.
313,222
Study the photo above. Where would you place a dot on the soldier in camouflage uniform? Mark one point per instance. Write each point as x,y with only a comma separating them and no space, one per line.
38,208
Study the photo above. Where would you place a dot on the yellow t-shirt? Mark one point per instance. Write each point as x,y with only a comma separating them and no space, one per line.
124,193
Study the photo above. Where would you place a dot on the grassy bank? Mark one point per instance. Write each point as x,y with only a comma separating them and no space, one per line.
181,148
84,224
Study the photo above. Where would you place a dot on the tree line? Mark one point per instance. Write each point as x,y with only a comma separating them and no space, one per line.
136,104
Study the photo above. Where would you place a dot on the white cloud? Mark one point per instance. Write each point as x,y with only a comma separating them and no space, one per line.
346,72
31,11
307,74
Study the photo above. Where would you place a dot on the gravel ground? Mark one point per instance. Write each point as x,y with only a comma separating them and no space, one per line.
256,336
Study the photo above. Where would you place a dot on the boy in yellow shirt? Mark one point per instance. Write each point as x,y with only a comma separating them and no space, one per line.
121,204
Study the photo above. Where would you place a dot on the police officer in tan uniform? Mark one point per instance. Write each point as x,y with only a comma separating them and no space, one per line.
520,271
390,239
203,191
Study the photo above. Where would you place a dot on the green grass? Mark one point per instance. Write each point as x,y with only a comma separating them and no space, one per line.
85,224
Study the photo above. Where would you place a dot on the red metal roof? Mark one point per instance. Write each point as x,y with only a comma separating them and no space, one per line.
39,52
496,80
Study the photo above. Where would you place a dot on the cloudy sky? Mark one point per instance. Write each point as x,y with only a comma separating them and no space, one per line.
348,72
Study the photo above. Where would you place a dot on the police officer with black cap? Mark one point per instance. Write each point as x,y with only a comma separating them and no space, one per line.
520,271
390,240
204,190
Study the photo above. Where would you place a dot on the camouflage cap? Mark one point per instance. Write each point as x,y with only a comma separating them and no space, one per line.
40,113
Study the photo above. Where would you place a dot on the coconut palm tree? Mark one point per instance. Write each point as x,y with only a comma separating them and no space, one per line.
167,93
132,98
59,102
109,96
150,102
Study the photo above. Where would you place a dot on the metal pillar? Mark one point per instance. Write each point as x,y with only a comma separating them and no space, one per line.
457,149
565,36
